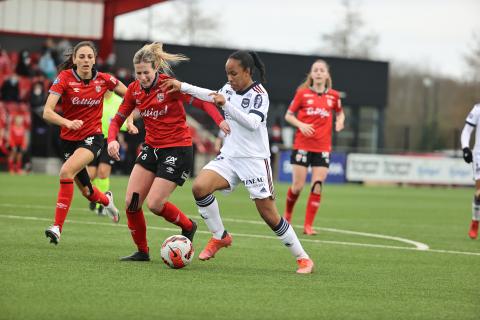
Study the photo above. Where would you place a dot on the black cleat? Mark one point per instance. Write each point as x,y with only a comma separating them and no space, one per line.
92,206
137,256
190,234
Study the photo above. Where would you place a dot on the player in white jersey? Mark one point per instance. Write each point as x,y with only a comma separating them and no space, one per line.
472,121
244,157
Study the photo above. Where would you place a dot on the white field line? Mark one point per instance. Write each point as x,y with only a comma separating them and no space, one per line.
109,224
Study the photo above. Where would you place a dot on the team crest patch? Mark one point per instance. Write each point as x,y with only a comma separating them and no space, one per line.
245,102
57,80
98,89
160,96
329,102
257,103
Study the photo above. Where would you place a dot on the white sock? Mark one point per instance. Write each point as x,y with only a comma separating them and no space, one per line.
476,209
289,238
208,209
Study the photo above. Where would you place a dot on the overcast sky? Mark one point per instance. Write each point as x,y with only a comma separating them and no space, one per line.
433,33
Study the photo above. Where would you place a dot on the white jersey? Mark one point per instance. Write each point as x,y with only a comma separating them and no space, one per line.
246,141
472,122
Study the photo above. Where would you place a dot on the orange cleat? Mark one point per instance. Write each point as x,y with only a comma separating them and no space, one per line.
305,266
308,230
473,233
214,245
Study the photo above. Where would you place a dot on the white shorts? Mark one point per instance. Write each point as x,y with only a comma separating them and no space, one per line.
476,165
255,174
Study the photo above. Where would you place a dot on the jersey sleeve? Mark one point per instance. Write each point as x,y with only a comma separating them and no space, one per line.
338,104
59,85
125,109
296,102
260,106
473,116
111,81
208,107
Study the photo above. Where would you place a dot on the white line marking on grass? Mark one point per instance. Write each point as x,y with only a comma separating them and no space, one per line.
369,245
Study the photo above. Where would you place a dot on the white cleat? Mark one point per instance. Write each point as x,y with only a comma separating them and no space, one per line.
111,210
53,232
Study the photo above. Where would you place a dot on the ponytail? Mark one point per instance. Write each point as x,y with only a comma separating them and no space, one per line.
160,60
69,54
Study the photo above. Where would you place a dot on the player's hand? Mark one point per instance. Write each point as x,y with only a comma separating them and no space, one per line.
114,150
225,127
170,85
218,99
339,125
467,155
131,128
74,125
307,129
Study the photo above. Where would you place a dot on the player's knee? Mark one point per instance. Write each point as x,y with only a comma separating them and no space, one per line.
297,187
66,173
316,187
132,203
156,205
199,189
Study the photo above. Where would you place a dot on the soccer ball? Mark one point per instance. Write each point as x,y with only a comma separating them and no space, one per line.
177,251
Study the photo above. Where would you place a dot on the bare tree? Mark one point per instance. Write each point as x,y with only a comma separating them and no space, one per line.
347,39
188,24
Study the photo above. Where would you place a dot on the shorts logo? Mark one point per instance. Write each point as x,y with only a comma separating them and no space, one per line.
169,170
89,141
66,155
254,182
185,175
257,103
98,89
245,102
170,160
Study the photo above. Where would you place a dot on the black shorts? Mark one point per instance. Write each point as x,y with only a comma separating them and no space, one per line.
93,143
103,157
173,164
308,158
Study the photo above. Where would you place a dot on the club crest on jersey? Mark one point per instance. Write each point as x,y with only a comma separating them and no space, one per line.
329,102
257,103
77,90
310,101
245,102
160,97
98,88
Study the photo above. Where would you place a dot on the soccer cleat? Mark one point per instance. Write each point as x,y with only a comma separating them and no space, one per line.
92,206
473,233
305,266
137,256
309,231
190,234
53,232
100,211
111,210
214,245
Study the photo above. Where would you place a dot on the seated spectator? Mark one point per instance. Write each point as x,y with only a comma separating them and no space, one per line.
24,66
38,97
47,64
5,63
10,89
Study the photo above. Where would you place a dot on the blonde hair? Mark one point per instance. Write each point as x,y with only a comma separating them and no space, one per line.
309,81
153,53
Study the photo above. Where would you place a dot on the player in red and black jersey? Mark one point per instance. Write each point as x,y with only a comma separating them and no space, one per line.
314,105
81,89
166,157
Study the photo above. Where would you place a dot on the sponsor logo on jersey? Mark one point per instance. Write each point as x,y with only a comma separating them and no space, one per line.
152,113
323,113
170,160
257,103
85,101
73,83
245,102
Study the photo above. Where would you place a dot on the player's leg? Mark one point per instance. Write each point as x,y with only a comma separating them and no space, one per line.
216,175
138,186
102,181
92,173
473,232
299,175
319,174
74,163
11,160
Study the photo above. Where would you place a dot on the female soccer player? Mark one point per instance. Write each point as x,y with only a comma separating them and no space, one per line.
472,121
166,157
81,88
314,104
244,157
100,169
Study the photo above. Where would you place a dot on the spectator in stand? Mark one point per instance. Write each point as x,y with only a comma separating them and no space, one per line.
47,64
5,63
17,142
24,66
63,48
38,97
10,90
3,131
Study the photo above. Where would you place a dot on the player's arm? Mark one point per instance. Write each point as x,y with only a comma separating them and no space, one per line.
51,116
306,129
123,113
120,89
210,109
173,85
465,141
339,121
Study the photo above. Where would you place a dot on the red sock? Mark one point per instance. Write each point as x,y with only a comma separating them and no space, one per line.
312,207
98,196
64,199
138,229
291,199
19,165
172,214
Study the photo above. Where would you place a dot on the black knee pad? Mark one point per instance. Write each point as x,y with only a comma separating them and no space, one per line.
314,184
134,202
84,179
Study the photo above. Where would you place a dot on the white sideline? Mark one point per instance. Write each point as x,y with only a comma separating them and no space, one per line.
425,248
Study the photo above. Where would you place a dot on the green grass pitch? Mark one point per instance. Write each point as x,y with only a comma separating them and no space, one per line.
368,265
